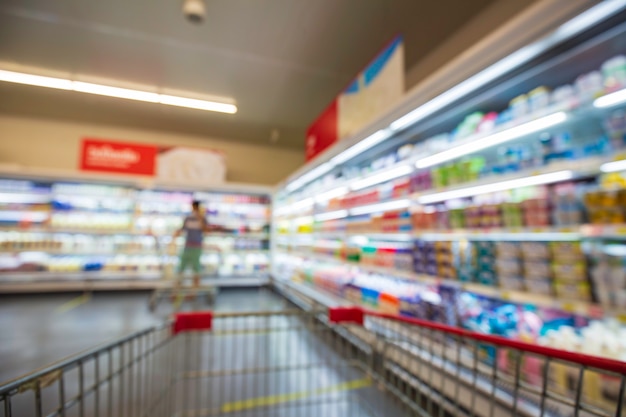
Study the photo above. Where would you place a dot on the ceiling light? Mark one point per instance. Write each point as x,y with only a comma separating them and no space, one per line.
198,104
493,140
329,195
104,90
36,80
497,186
380,207
331,215
365,144
612,99
382,177
82,87
614,166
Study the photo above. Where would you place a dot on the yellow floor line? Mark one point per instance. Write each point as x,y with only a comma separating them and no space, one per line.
73,303
293,396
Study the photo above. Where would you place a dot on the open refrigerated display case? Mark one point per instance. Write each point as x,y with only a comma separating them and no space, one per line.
70,235
497,204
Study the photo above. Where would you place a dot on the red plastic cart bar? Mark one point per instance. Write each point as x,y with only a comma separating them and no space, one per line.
194,320
610,365
203,320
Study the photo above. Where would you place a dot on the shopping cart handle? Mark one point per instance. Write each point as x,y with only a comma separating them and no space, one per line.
353,315
195,320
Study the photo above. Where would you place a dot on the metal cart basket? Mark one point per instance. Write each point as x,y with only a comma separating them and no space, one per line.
335,362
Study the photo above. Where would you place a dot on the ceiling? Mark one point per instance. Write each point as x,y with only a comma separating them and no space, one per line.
282,61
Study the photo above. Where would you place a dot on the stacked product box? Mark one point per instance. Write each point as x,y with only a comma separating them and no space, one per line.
445,260
509,265
569,268
424,218
606,206
424,258
536,212
567,207
388,222
388,257
466,266
392,221
608,275
536,266
486,272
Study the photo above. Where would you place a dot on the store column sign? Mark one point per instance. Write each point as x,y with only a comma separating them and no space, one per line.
375,90
118,157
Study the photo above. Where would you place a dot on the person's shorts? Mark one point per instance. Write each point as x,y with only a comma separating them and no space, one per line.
190,258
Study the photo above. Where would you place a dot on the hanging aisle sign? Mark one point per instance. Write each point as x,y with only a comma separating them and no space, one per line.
376,89
166,163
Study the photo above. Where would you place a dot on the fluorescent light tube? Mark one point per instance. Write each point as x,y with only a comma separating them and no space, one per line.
386,237
614,166
24,198
331,215
382,177
359,240
615,250
302,204
282,211
497,236
16,216
381,207
329,195
303,220
493,140
197,104
497,186
104,90
610,100
36,80
310,176
365,144
125,93
578,24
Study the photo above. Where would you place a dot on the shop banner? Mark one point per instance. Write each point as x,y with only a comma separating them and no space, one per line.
117,157
375,90
166,163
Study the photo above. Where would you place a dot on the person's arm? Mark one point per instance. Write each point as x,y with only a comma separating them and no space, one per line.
181,230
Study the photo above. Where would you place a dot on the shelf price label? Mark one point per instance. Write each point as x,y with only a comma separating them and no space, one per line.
505,295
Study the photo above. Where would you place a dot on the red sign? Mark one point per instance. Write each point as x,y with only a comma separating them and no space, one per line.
374,90
323,132
117,157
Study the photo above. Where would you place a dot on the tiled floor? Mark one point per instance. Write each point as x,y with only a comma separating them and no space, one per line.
278,365
36,330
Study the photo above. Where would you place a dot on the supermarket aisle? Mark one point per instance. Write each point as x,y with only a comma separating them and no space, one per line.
36,330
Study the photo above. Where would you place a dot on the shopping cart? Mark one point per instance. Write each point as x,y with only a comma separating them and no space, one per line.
170,289
335,362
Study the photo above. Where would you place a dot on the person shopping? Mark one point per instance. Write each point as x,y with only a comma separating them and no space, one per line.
194,226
